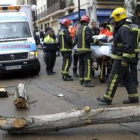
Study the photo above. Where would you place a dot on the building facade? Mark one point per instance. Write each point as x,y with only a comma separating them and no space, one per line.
52,12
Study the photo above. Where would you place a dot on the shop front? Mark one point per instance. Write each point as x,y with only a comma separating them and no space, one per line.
74,16
103,14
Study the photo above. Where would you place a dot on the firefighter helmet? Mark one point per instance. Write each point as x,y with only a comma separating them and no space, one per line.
118,14
85,18
66,22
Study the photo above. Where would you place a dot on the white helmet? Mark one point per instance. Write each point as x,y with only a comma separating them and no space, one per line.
130,17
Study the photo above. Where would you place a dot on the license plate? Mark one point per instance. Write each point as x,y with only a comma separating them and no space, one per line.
13,67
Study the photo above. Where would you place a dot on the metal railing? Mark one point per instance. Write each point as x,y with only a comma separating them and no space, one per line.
54,8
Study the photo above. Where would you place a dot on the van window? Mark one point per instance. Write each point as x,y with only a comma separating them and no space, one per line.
14,30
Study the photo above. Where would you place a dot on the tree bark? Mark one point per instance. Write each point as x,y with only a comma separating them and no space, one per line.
21,96
130,6
71,119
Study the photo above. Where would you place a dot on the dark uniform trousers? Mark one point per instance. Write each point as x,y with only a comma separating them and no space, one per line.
120,73
75,61
133,70
85,67
67,59
50,60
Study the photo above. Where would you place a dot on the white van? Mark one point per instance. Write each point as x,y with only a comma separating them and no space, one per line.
18,51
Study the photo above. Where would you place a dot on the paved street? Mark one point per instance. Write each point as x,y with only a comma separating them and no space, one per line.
43,90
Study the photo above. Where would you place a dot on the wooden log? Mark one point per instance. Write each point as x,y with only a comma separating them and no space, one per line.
3,92
71,119
21,96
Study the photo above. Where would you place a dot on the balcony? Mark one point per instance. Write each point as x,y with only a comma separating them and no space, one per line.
56,7
52,9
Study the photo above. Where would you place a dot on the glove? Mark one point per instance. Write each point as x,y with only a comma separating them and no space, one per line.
100,43
73,42
124,64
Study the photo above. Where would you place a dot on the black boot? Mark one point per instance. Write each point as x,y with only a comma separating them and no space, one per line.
131,101
48,71
81,82
67,78
103,100
53,72
75,72
88,84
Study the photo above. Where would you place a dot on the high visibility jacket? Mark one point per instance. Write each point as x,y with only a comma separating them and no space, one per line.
65,40
84,39
110,28
50,44
106,32
72,32
136,34
123,48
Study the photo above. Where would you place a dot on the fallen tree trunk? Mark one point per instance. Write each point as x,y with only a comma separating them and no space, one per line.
72,119
21,96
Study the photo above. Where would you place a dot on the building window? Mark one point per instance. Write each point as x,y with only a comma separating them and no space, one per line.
41,26
46,25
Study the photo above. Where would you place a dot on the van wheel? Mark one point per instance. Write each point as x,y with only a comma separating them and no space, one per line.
35,71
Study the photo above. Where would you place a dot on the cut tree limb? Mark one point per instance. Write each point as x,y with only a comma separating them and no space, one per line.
72,119
21,96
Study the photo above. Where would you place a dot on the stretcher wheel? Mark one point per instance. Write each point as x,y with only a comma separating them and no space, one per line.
103,80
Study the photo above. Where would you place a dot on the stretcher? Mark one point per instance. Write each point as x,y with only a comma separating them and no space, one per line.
101,56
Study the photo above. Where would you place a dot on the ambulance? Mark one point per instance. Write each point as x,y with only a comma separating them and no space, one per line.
18,50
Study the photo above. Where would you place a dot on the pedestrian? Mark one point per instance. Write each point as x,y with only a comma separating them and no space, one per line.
50,47
123,54
133,66
95,30
74,54
84,39
66,44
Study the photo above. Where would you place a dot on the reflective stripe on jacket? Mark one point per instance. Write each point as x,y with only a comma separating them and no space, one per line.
123,48
136,34
65,40
50,44
84,39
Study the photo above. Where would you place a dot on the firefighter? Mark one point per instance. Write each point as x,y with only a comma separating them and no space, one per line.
66,44
84,40
50,47
133,66
123,54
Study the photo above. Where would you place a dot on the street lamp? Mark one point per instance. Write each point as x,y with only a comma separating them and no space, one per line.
34,8
79,10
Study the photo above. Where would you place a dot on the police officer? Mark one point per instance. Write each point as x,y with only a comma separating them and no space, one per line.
109,24
123,54
66,44
50,47
133,66
84,40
